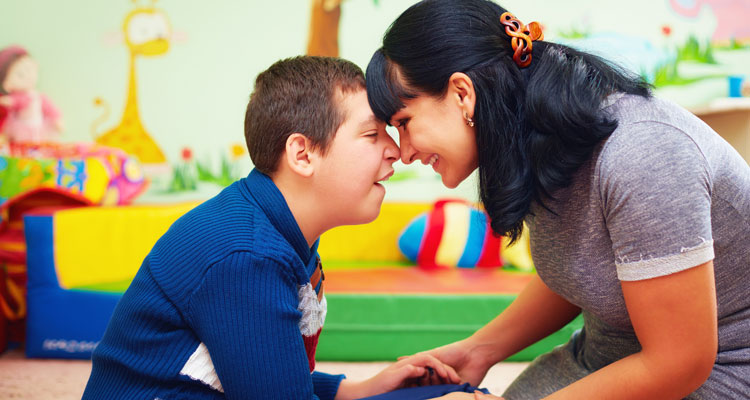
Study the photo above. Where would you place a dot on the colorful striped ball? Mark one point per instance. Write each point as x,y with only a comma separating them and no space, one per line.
452,234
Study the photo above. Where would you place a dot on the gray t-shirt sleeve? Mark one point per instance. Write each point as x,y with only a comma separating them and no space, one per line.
656,204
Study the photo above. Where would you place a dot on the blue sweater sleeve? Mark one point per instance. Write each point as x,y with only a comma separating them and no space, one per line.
325,385
245,312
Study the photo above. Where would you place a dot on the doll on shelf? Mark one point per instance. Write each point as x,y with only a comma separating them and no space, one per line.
26,116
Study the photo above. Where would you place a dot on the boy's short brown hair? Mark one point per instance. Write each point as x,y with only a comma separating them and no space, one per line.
299,94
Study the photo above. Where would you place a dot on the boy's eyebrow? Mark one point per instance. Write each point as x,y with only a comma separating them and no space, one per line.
369,121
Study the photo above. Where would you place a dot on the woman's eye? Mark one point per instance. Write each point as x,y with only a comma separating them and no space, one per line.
402,123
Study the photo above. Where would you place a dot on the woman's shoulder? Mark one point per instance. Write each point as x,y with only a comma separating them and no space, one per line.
652,129
629,109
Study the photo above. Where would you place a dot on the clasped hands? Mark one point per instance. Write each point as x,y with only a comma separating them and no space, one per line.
424,369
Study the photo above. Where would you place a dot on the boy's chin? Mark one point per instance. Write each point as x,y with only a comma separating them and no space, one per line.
370,215
365,215
364,210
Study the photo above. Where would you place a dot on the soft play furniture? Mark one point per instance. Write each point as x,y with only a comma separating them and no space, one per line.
79,263
13,254
103,175
380,305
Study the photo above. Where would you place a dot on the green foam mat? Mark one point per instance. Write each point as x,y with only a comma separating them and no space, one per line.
117,287
383,327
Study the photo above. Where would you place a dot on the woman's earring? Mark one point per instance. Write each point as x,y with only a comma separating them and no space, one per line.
469,121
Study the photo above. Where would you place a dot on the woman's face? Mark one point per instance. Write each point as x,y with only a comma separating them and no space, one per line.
435,132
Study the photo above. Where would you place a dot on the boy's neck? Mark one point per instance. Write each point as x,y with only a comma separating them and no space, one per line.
303,207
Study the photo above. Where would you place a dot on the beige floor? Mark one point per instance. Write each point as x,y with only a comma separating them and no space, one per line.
33,379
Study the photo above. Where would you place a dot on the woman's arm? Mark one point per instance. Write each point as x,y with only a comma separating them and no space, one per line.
534,315
675,319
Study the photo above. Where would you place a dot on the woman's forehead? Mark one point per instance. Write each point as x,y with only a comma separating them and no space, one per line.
386,87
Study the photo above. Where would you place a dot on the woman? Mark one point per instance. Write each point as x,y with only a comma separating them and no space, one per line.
639,214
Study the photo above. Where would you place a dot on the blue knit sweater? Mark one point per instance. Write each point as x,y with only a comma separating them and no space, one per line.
224,278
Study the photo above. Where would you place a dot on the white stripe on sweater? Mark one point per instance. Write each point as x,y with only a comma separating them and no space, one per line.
200,368
313,312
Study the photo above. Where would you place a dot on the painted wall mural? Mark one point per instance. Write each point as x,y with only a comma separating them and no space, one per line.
183,105
678,60
146,32
324,28
732,24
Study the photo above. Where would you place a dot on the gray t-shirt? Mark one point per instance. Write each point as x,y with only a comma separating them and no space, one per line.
662,194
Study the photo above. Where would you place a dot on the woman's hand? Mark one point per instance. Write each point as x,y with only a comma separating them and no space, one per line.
419,369
477,395
464,358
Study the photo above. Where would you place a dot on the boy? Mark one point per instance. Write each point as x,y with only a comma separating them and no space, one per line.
229,302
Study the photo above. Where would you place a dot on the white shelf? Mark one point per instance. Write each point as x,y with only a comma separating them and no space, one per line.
723,105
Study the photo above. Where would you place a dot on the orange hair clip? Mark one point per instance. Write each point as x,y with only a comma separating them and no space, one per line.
522,37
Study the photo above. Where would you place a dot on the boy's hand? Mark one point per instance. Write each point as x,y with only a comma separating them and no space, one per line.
417,370
406,372
466,360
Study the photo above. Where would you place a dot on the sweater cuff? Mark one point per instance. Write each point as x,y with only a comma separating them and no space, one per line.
325,385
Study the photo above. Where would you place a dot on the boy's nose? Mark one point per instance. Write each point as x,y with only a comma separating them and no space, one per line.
392,152
407,151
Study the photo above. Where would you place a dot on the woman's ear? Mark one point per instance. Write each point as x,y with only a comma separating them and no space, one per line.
298,154
461,88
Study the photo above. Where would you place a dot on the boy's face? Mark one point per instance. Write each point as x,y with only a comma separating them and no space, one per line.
360,155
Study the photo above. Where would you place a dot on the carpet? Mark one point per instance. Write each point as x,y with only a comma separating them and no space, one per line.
48,379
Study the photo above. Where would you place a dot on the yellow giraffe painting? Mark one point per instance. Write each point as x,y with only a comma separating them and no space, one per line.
146,32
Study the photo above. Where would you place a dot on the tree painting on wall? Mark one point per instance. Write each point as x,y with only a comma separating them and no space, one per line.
323,39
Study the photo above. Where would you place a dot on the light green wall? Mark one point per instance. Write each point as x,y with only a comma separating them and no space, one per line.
195,94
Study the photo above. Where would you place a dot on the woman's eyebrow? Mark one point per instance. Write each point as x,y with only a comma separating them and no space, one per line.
395,118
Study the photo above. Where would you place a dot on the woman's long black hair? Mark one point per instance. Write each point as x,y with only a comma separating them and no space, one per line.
534,126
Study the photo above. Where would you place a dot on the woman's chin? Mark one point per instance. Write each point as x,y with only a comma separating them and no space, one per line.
452,180
450,183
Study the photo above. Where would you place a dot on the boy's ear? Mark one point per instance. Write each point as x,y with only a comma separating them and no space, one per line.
462,89
298,154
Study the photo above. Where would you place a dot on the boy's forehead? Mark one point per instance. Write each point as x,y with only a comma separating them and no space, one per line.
357,108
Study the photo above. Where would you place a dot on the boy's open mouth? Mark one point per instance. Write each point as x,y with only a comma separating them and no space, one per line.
385,178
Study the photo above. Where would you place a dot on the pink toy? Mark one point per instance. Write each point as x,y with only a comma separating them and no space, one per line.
26,116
